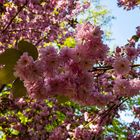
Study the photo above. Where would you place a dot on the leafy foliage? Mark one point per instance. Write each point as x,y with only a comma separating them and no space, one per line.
24,46
18,89
6,74
75,86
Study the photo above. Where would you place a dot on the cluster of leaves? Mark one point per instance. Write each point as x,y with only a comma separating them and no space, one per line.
8,60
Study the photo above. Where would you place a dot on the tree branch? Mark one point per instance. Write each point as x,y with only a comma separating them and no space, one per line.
22,7
105,68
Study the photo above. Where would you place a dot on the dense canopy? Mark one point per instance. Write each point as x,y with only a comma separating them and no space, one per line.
59,80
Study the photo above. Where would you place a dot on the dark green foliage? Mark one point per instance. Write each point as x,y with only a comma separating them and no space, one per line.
25,46
6,74
9,59
18,89
10,56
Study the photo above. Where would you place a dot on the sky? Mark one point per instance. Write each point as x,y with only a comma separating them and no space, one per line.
124,26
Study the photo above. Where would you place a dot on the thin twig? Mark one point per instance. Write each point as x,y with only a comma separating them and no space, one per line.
105,68
6,27
106,112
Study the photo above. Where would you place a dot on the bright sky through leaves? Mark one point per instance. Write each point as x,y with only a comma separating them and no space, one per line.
124,26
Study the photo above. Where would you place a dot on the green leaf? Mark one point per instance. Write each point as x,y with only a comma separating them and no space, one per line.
49,127
23,118
61,117
25,46
10,57
70,42
18,88
135,37
49,103
14,131
62,99
6,74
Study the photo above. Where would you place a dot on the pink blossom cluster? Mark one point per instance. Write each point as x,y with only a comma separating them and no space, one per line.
64,72
47,120
133,129
91,37
72,72
37,21
128,4
127,88
121,65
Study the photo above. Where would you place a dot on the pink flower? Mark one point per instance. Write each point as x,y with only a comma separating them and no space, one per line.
131,53
138,31
135,85
89,41
26,69
22,68
86,64
122,87
82,59
121,66
55,85
36,89
66,54
87,33
59,133
49,59
128,4
82,134
47,52
118,50
25,60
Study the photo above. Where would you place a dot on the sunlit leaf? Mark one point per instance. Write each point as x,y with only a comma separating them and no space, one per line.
49,128
70,42
22,118
6,74
61,116
10,56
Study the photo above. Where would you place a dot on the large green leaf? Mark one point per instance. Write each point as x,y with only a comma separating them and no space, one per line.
25,46
6,74
18,88
10,56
